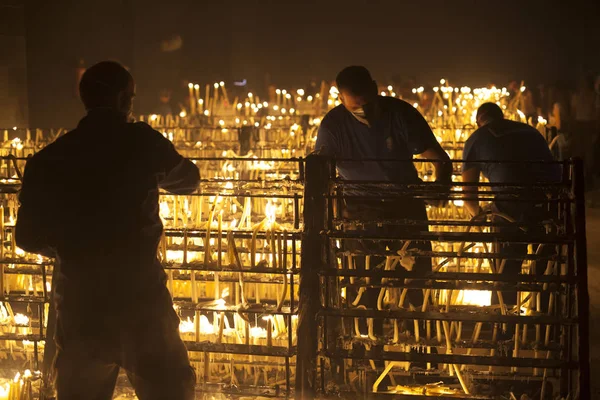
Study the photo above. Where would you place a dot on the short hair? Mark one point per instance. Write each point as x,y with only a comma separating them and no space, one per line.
102,82
357,80
489,112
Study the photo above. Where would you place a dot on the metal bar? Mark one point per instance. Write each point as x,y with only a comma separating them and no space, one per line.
452,237
262,309
200,233
452,285
452,359
413,222
200,266
231,348
276,195
467,276
317,168
449,254
583,297
474,316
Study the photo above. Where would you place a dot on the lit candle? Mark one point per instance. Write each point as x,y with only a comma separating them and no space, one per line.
207,99
216,100
191,94
270,331
222,84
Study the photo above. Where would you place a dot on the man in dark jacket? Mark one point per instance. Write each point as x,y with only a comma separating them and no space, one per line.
91,199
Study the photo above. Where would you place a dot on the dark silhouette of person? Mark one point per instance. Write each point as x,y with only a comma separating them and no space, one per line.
91,199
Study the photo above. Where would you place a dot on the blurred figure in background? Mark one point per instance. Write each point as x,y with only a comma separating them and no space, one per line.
583,105
164,106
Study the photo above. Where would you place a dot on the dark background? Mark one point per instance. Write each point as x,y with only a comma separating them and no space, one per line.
289,42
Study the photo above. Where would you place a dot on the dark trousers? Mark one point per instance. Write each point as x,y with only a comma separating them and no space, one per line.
94,342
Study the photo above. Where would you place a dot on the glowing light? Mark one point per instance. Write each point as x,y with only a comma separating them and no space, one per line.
476,297
300,92
182,114
221,83
196,86
187,326
250,95
21,320
190,85
442,81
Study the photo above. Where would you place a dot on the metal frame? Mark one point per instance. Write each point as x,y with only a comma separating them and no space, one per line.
324,226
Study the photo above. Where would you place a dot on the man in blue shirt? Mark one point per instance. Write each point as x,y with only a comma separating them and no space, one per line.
528,161
368,126
499,139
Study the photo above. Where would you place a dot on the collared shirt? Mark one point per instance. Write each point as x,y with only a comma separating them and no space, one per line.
399,133
92,196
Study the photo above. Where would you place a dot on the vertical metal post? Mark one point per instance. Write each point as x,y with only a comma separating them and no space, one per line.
312,259
583,297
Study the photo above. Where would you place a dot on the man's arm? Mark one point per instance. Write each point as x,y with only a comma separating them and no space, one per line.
422,141
471,175
471,172
442,164
184,178
33,228
326,144
176,174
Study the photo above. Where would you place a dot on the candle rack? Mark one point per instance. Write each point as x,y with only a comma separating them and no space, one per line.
373,342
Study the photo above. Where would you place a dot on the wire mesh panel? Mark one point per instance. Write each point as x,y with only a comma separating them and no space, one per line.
422,300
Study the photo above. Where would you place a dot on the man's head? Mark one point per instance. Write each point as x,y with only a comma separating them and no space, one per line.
487,113
165,96
108,85
356,87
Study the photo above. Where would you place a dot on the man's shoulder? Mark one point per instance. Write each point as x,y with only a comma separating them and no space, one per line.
395,104
334,118
475,136
335,114
510,125
146,132
56,149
